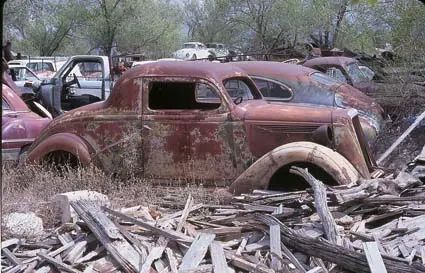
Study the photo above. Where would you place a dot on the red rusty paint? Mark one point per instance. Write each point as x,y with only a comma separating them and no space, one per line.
217,144
20,126
307,90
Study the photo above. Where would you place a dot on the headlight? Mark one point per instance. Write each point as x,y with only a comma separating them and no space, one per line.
187,55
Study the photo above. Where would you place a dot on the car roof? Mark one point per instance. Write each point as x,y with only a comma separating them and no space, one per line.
188,69
274,70
339,60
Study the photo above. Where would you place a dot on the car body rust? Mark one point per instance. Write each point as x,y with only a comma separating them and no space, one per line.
211,142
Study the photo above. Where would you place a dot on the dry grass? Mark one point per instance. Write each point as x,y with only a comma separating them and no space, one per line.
31,188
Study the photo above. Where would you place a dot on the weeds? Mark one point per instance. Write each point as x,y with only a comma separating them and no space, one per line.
31,188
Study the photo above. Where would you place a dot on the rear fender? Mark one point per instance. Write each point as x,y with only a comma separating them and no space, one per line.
61,142
258,175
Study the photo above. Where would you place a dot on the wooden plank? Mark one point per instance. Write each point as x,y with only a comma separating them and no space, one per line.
185,213
108,235
172,261
196,251
170,234
218,258
11,256
245,265
276,251
156,253
401,138
59,265
321,205
374,259
345,258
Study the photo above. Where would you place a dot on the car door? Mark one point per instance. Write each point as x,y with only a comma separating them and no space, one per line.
185,134
13,134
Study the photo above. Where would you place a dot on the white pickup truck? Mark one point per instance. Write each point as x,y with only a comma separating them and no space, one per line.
82,80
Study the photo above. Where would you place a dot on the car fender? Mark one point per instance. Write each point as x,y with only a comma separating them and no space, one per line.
67,142
258,175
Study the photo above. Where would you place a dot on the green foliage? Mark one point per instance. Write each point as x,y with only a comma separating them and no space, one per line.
158,27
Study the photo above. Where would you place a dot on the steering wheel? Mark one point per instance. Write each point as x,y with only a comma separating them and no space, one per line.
75,80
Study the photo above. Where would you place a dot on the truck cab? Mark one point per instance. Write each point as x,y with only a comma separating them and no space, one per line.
80,81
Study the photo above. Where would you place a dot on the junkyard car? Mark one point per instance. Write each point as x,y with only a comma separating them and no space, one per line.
206,121
82,80
23,77
20,125
43,68
219,49
343,69
285,83
193,51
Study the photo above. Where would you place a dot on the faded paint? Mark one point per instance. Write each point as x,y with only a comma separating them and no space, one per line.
123,133
20,126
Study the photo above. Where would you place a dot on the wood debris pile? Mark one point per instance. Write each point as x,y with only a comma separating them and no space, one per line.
376,227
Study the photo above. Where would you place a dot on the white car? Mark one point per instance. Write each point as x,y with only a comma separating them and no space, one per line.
219,49
193,51
43,68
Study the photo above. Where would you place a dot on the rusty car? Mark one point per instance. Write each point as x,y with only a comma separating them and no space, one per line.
343,69
283,82
20,125
206,121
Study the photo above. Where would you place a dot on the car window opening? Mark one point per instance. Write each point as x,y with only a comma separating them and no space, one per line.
182,96
273,90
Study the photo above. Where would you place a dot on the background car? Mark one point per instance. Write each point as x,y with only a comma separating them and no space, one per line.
290,83
343,69
193,51
23,77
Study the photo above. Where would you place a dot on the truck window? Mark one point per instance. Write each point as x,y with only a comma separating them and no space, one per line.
182,96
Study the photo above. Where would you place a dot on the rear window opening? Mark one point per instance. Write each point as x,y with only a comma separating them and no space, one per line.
183,96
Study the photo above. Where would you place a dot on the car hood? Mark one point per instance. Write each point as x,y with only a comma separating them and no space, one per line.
261,110
348,96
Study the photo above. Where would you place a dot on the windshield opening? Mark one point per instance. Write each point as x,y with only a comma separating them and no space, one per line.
355,73
189,45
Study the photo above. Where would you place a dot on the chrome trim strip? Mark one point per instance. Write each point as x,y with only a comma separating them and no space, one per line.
17,140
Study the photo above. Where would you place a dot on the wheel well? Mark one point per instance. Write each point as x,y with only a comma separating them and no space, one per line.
62,159
283,180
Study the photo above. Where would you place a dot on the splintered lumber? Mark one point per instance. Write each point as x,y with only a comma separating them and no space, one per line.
346,258
59,265
170,234
239,262
185,213
275,249
197,251
376,264
321,204
218,258
108,234
401,138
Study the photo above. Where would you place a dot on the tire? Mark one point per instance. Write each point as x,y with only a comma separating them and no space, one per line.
194,57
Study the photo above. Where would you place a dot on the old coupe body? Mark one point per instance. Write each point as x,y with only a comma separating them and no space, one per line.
205,121
290,83
344,69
